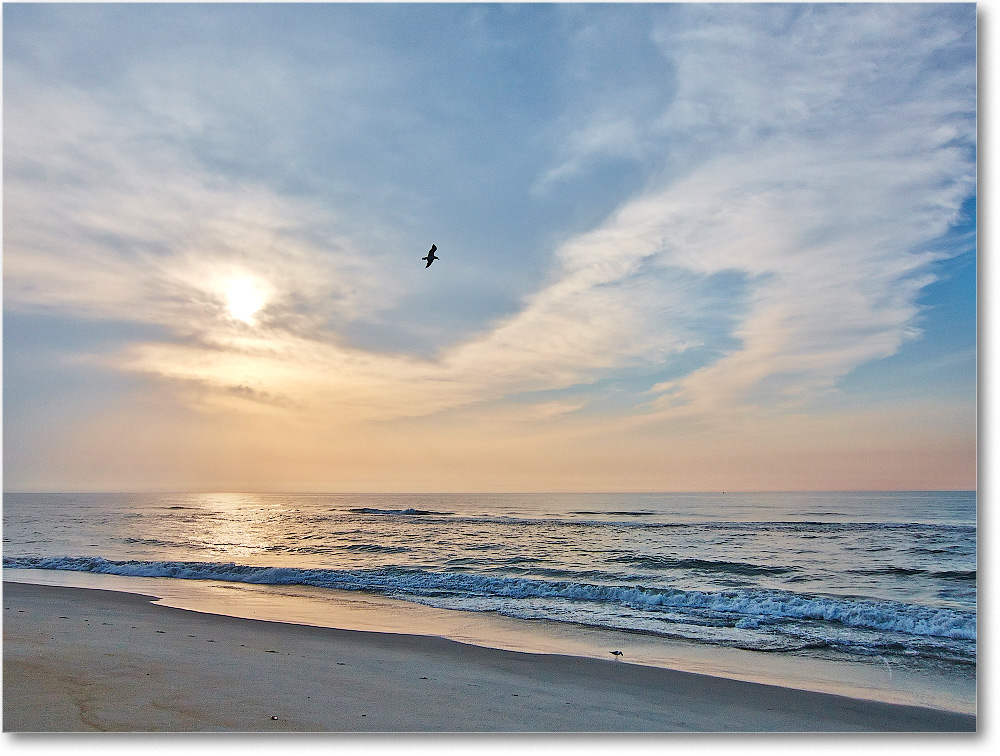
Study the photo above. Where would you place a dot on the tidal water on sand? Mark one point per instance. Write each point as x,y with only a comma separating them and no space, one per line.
878,578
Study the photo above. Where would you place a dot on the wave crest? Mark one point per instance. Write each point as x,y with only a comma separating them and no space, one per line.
737,608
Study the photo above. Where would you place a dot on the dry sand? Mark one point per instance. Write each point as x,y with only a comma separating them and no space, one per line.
77,660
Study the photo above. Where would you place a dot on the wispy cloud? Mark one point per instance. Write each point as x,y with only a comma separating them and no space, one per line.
796,167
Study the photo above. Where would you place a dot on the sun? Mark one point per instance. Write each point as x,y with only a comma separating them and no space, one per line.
244,299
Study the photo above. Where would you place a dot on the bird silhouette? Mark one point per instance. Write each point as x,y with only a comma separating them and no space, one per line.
616,654
431,257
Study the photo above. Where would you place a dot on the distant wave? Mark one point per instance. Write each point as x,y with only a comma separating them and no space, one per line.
901,571
773,526
150,541
746,606
374,548
159,542
955,574
916,571
617,513
373,510
668,563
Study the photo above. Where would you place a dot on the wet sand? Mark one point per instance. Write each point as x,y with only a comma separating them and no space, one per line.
93,660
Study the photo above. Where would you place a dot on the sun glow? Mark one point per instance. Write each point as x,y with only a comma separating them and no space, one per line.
245,298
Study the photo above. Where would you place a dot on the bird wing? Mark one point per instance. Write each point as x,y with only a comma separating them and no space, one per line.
433,249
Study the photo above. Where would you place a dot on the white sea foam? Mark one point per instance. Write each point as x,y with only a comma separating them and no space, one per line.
746,608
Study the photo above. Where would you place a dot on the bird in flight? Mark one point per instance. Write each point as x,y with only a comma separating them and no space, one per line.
431,257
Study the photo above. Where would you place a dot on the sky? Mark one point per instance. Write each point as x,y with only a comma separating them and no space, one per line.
682,247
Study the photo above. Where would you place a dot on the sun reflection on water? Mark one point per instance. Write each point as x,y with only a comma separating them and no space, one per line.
236,525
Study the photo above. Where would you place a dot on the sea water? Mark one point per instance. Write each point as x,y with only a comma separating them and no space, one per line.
880,581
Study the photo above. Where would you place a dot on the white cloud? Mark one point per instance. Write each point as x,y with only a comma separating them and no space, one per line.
105,218
825,151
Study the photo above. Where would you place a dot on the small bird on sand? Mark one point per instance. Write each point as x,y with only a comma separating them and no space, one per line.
617,654
431,257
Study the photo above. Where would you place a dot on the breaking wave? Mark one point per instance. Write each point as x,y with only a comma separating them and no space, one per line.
749,608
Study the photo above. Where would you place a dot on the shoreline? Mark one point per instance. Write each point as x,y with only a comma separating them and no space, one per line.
359,610
89,659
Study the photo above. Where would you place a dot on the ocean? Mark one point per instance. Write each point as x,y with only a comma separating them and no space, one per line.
882,582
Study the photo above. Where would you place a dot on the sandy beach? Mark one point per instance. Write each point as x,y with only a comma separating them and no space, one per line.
92,660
